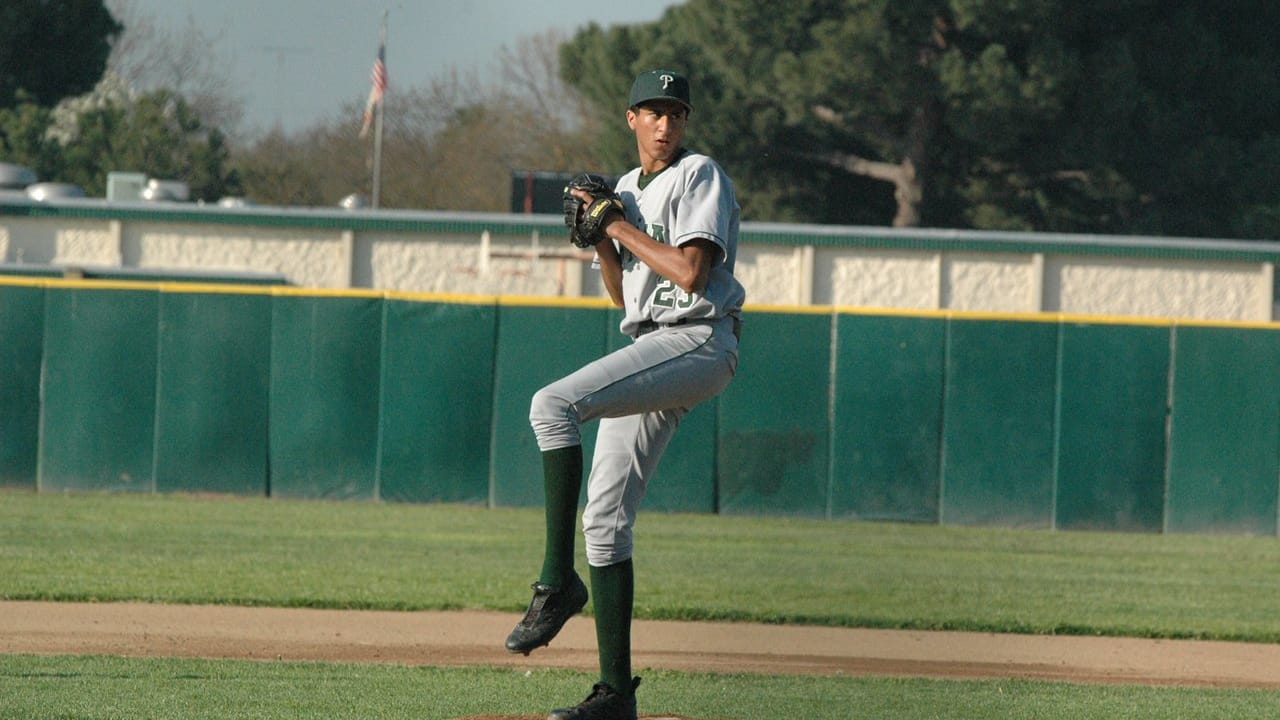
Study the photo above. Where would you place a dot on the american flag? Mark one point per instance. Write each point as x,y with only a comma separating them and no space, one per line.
379,76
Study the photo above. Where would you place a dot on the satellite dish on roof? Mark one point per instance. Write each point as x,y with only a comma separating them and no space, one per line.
166,190
54,191
354,201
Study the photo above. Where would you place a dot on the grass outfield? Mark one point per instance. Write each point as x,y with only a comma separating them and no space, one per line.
167,548
34,688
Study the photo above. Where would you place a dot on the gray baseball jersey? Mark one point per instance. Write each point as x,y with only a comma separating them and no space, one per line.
685,351
692,198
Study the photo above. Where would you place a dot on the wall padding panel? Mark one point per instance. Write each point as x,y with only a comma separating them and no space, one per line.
1224,435
21,341
536,346
437,402
98,426
212,385
998,423
887,430
1113,410
773,434
325,372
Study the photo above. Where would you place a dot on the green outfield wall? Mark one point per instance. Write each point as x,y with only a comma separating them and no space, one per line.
21,352
1018,420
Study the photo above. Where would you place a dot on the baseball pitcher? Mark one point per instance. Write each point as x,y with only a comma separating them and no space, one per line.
666,242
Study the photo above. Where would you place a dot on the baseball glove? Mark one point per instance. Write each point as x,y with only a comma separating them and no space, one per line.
586,220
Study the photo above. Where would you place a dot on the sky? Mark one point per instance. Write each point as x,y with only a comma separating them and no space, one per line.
295,62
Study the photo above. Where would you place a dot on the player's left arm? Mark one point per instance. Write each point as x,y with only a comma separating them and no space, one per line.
706,206
688,266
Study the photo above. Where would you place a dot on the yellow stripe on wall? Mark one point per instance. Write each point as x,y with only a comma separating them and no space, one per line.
173,286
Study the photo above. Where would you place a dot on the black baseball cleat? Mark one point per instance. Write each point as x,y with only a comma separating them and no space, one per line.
548,611
604,703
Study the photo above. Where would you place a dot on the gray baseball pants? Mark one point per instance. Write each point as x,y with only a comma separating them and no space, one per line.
639,394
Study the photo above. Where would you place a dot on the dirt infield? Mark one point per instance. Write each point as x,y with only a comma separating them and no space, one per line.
475,638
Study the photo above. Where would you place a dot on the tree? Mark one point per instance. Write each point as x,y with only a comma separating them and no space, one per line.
52,48
275,171
113,128
160,135
450,145
73,122
1129,136
187,61
322,164
531,85
729,51
1018,114
23,137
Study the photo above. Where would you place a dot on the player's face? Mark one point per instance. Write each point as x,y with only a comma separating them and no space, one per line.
659,128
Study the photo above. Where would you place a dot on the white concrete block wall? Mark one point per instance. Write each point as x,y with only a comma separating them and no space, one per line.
1173,288
495,255
769,273
877,278
66,241
307,257
458,264
991,282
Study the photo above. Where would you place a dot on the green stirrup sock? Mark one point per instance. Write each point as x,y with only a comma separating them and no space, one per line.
613,590
562,481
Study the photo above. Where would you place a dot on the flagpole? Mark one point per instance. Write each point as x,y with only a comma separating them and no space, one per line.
377,131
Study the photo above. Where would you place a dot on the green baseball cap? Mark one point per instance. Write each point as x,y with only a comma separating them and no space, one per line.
660,85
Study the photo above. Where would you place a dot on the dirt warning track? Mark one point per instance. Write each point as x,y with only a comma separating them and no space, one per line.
475,638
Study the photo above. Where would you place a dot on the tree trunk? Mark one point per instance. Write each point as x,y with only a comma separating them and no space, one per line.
908,189
908,183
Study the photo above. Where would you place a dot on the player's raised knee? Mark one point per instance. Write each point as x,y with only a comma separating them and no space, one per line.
554,422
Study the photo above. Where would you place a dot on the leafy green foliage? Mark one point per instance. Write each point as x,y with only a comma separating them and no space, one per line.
156,133
53,48
22,136
1120,117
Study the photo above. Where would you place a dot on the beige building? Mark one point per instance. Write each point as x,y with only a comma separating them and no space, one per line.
528,255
